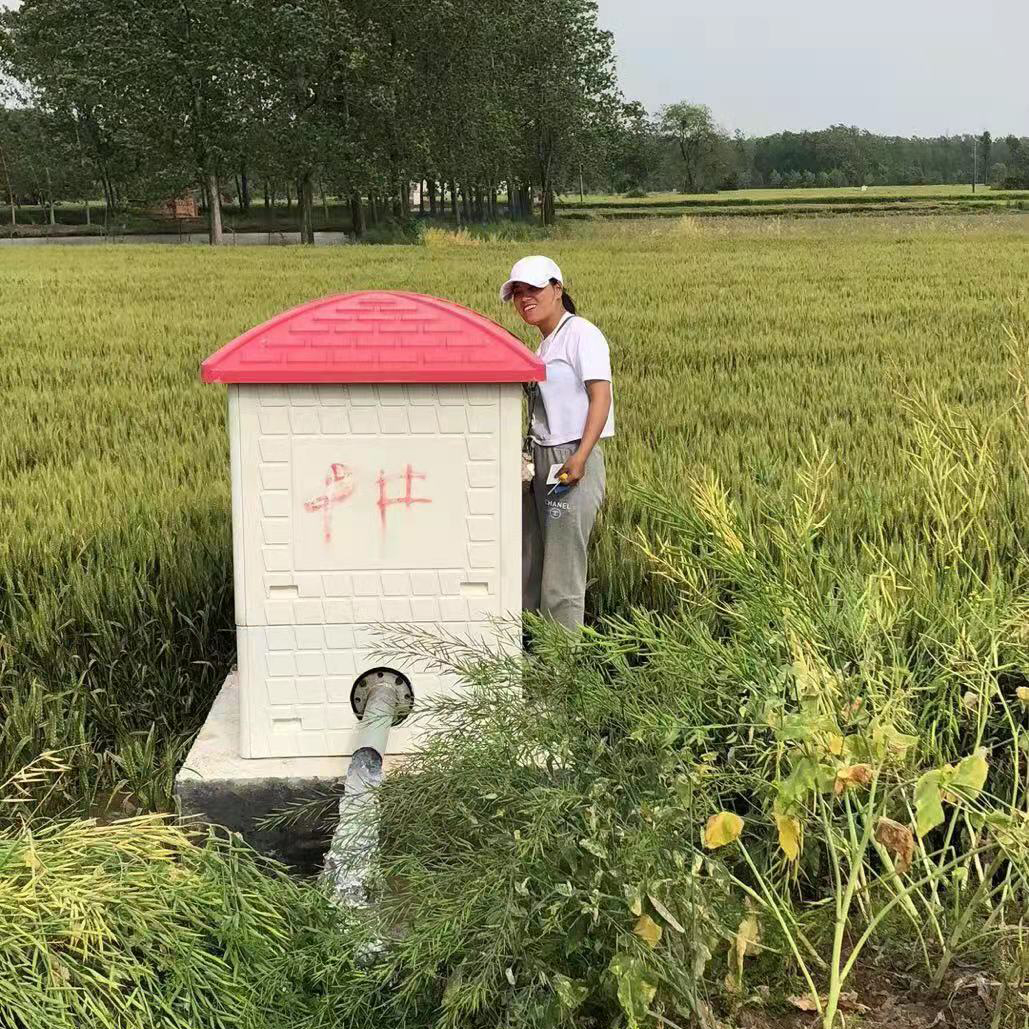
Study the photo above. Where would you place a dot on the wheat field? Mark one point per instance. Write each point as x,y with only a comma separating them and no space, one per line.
741,348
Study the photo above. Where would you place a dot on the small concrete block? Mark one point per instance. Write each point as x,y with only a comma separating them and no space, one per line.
451,419
310,662
424,583
367,584
452,396
281,692
274,448
478,395
482,501
340,662
274,421
339,611
309,637
276,530
483,419
393,420
421,395
276,559
302,394
339,637
310,691
278,612
304,421
275,505
363,396
396,609
280,637
450,582
396,584
482,555
280,663
311,717
337,692
367,609
481,448
393,395
364,421
453,609
334,421
331,395
271,395
423,420
337,585
482,474
308,611
274,476
424,609
482,528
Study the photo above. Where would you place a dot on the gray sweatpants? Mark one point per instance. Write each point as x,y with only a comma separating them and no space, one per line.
555,533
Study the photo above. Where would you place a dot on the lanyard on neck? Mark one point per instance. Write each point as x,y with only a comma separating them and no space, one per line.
532,389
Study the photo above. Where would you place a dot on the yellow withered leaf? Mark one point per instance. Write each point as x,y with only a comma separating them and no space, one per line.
1023,695
834,743
850,776
723,828
898,840
789,835
648,931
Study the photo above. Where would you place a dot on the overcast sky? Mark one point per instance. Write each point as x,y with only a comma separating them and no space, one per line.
904,67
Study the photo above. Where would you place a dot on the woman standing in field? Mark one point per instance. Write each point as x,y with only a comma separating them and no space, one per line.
569,413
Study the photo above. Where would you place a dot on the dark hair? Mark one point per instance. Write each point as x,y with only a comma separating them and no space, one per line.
566,300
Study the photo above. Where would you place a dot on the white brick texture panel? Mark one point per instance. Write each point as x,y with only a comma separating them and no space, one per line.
314,526
293,698
356,506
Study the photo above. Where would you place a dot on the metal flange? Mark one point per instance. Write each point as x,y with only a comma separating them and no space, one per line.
383,677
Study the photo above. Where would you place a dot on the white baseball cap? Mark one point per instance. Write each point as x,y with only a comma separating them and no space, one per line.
536,271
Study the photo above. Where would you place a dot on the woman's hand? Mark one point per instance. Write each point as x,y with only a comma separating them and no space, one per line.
573,469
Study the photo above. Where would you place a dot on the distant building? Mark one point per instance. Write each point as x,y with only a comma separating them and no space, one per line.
178,207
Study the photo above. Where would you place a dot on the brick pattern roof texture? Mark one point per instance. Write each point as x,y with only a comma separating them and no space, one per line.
375,336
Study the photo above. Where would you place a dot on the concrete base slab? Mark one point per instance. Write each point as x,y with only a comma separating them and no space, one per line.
218,785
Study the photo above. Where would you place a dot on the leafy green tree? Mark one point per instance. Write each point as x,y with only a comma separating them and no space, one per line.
692,129
565,92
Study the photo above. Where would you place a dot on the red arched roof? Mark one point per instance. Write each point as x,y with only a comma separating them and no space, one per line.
375,336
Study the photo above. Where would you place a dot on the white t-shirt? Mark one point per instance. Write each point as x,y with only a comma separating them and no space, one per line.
574,353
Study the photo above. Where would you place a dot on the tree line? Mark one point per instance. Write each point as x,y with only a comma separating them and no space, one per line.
690,152
141,100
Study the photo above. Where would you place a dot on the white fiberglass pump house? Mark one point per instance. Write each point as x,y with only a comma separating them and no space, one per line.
375,454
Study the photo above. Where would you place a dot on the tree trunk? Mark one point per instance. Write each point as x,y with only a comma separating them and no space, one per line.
421,196
454,205
10,192
356,215
305,196
548,206
89,217
239,192
214,210
325,202
50,195
289,199
431,184
244,182
467,203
